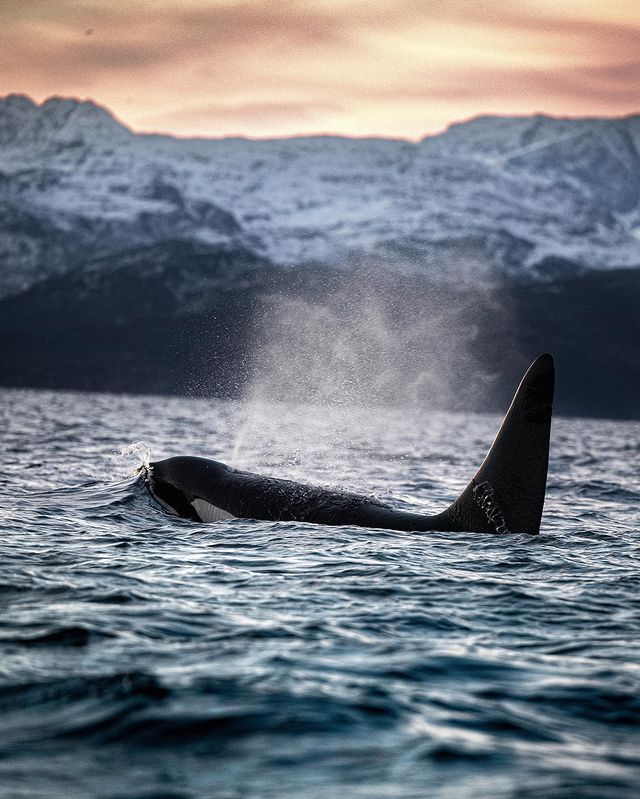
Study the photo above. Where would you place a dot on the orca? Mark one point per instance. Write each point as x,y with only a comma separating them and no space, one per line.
506,495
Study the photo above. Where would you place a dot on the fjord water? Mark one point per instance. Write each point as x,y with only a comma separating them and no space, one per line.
147,656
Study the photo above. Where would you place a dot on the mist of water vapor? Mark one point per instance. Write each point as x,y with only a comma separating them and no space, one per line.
360,342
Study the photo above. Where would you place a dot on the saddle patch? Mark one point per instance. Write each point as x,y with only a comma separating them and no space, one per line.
485,498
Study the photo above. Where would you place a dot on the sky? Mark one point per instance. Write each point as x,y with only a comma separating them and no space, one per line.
261,68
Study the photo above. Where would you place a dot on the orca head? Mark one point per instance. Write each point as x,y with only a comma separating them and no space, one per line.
183,487
167,494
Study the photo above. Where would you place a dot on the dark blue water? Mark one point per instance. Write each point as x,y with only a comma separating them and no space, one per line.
147,656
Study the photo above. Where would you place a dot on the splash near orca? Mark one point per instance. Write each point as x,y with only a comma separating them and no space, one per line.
505,496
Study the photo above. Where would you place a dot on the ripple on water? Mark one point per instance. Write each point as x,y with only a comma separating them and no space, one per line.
147,656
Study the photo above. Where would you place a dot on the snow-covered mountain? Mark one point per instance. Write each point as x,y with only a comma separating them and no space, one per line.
495,197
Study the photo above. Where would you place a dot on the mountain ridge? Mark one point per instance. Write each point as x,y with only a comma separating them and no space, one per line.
145,263
493,198
22,100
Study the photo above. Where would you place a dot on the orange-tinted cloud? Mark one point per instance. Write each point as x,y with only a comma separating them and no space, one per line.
279,67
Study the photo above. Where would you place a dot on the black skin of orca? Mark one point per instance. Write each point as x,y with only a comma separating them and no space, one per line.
506,494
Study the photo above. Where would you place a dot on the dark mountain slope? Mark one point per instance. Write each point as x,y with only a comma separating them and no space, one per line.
183,317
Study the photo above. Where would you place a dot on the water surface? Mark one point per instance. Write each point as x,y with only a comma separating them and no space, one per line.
148,656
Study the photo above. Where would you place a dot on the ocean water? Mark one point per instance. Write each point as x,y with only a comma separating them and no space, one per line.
147,656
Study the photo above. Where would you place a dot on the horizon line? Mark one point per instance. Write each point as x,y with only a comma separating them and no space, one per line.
313,135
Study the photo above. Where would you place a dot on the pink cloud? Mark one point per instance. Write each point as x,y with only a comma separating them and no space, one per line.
292,66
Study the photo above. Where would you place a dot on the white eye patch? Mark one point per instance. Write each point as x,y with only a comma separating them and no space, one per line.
208,512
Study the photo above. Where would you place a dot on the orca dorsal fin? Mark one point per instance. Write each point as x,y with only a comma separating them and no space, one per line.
507,492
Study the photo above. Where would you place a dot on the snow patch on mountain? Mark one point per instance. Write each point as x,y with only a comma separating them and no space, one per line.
492,197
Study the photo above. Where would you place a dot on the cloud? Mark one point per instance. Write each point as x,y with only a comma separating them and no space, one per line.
240,114
275,66
132,36
614,83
